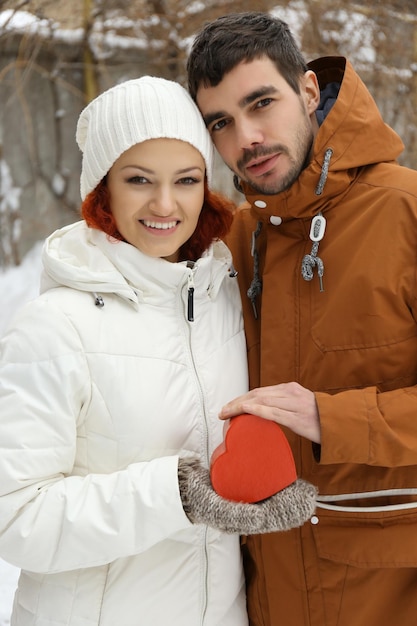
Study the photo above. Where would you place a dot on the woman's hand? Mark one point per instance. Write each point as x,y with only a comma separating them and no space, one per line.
289,508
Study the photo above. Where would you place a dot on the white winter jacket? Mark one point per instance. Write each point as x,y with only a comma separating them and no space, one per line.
104,384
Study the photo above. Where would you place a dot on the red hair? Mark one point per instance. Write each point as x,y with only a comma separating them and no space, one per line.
213,223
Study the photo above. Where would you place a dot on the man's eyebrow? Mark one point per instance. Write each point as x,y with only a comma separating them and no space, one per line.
212,117
266,90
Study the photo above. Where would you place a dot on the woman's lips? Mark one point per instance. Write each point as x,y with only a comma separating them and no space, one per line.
160,229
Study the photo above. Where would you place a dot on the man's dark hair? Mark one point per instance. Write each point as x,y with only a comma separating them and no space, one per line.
230,39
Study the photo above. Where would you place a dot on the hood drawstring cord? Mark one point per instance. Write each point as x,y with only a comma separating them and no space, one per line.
324,172
318,226
256,284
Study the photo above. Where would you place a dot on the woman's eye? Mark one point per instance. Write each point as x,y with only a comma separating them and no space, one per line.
137,180
188,180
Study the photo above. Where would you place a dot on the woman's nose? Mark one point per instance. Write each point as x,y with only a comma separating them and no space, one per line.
164,202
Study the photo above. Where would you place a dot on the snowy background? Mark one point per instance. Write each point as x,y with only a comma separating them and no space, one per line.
17,286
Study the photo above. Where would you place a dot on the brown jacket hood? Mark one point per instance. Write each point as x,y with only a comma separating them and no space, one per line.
354,132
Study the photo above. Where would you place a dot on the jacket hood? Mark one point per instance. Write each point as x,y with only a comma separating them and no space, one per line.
72,257
86,259
352,135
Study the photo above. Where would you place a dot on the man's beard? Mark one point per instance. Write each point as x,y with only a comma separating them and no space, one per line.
304,143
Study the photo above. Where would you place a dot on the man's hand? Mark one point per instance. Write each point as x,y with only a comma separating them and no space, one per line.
288,404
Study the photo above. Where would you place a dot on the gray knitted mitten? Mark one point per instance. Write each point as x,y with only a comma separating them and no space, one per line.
287,509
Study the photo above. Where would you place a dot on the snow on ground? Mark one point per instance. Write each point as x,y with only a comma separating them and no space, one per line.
17,286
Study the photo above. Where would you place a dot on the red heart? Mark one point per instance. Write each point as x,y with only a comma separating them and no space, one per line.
254,461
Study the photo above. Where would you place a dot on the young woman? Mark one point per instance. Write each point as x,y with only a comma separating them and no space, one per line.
111,384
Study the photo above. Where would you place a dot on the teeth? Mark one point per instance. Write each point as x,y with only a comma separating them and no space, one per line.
159,225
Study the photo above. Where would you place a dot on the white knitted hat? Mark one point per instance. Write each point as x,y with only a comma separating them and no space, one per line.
130,113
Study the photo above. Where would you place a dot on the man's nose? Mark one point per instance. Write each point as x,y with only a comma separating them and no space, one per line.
248,134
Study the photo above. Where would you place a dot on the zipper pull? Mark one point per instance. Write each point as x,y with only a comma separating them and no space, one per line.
190,303
98,300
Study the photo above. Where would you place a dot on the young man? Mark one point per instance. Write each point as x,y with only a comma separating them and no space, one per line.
326,250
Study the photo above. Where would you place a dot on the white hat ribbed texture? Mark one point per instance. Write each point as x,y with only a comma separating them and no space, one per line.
130,113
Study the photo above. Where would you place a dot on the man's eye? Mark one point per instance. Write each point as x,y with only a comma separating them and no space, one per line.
263,103
218,125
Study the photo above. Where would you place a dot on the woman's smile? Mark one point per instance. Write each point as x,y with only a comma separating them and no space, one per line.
159,227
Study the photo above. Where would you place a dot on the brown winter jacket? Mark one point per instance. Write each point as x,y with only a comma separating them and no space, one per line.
355,345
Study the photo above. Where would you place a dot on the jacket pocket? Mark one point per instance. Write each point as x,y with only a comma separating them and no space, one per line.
367,537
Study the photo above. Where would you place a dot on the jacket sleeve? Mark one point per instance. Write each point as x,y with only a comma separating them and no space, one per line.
369,427
50,520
